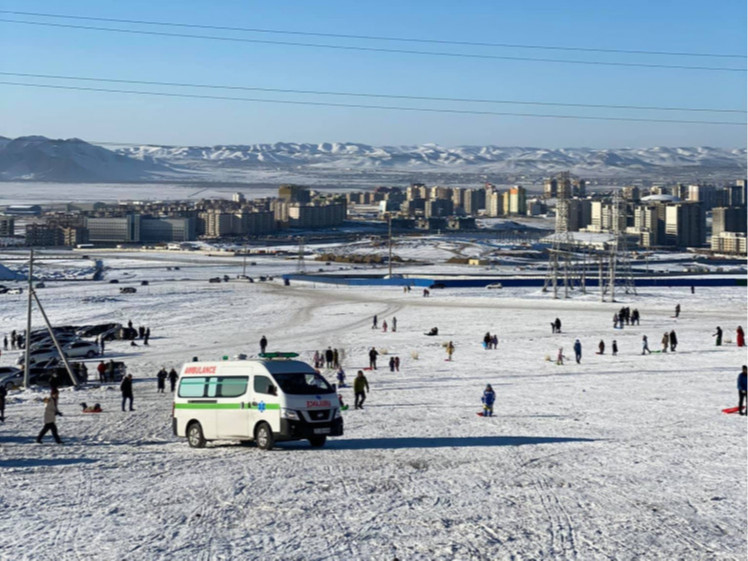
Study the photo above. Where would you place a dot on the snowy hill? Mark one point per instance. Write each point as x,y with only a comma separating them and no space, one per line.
431,157
42,159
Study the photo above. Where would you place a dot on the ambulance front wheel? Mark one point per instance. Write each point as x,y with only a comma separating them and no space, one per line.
318,441
195,436
264,436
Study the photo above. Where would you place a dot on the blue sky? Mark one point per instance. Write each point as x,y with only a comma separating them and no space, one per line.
660,25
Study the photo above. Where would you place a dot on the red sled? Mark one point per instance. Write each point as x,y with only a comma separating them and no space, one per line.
480,414
732,410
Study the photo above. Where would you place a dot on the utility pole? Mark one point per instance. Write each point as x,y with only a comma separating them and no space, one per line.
27,338
389,234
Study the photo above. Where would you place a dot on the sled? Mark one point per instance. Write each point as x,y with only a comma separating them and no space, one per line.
480,414
732,410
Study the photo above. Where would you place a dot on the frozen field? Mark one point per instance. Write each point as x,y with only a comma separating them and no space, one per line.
619,458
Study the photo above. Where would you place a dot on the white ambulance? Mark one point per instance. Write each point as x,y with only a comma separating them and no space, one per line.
267,400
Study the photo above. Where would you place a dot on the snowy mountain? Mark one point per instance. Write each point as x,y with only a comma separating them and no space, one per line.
42,159
431,157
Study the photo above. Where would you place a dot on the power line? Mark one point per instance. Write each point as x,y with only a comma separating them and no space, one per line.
362,106
375,37
374,49
372,95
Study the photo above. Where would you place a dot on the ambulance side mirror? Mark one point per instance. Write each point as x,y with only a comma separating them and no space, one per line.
334,387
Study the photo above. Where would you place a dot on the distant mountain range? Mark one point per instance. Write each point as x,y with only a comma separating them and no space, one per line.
42,159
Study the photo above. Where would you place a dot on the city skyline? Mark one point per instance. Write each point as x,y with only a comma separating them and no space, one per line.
284,59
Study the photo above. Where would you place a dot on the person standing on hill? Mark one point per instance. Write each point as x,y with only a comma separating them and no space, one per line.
173,376
740,336
601,347
718,335
557,325
665,341
742,389
677,310
488,399
263,344
3,393
360,387
450,350
329,357
673,341
161,377
126,389
374,322
487,341
614,348
578,350
394,324
373,354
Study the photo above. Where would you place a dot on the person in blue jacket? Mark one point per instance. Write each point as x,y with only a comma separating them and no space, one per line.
488,398
742,389
578,350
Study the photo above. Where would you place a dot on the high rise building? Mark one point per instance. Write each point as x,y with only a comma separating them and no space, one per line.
685,224
728,219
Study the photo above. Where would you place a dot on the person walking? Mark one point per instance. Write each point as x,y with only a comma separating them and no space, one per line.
3,393
718,335
557,323
615,320
384,326
50,414
635,317
397,364
677,310
742,389
487,341
126,389
392,364
673,341
173,376
373,354
645,345
450,350
335,358
578,350
394,324
263,344
360,387
614,348
146,336
665,341
161,377
374,322
601,347
740,336
488,399
560,357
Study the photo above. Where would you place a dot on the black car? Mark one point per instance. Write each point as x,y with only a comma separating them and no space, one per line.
114,281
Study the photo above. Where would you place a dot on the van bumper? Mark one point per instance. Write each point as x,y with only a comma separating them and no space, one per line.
295,430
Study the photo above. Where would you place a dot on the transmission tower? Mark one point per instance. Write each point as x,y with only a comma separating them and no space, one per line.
562,269
619,261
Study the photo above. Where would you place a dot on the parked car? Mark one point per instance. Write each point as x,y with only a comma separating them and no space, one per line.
81,349
40,285
214,279
105,329
9,378
114,281
128,290
16,290
144,283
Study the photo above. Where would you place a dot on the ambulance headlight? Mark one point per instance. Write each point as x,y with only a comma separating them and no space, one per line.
290,414
337,415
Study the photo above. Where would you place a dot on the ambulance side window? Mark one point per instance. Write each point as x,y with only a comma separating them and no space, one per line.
212,390
192,387
233,386
265,385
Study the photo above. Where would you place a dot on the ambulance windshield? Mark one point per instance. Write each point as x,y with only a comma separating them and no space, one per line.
302,383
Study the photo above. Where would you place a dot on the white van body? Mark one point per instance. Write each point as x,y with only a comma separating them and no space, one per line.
261,400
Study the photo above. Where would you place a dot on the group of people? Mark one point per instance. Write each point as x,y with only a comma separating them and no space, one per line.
161,378
107,371
142,333
385,326
16,341
329,358
490,341
625,316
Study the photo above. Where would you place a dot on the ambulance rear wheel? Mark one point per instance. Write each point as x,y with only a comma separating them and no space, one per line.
264,436
318,441
195,436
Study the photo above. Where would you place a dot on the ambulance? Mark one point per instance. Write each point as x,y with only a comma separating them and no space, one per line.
272,399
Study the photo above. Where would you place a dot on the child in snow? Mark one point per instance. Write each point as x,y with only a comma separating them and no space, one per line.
560,357
450,350
488,398
341,377
645,345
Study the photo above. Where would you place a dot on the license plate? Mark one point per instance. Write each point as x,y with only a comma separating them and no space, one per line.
322,431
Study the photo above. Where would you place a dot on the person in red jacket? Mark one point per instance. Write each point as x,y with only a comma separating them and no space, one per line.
741,336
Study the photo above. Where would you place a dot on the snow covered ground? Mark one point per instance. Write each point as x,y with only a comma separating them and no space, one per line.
618,458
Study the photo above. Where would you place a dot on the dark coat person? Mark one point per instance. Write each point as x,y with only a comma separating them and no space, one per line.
3,393
673,341
742,389
373,354
126,389
161,377
578,350
718,335
263,344
173,376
